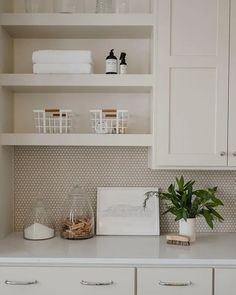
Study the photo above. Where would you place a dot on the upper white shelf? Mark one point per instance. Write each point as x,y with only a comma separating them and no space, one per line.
53,25
94,83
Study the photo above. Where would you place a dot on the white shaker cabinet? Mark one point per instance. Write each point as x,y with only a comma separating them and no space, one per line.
232,89
192,83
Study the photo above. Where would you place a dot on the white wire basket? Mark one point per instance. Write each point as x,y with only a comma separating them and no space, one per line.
53,121
109,121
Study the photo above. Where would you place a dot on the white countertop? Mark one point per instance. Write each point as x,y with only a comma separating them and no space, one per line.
209,250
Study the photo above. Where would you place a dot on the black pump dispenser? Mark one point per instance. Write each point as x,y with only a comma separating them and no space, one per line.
111,55
111,63
123,64
122,58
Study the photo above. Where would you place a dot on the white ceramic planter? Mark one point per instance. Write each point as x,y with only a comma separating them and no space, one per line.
188,228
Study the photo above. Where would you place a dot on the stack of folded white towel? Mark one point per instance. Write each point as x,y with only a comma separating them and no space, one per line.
62,62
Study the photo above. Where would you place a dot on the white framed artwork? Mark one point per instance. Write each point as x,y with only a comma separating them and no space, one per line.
120,211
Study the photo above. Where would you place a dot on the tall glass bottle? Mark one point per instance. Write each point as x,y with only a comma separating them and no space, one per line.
77,216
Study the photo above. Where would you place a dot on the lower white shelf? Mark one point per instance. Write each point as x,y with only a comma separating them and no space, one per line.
28,139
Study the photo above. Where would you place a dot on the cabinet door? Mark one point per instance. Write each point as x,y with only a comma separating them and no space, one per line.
174,281
192,83
61,281
232,88
225,281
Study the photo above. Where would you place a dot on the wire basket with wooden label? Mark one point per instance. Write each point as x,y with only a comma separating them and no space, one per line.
109,121
53,121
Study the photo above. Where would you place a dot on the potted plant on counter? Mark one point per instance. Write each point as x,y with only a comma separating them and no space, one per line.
186,204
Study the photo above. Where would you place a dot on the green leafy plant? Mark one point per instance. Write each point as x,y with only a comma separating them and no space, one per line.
184,202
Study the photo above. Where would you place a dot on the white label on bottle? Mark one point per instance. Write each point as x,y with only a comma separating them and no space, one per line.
123,69
111,66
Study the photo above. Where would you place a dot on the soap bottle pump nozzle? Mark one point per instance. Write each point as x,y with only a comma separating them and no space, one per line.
111,55
122,58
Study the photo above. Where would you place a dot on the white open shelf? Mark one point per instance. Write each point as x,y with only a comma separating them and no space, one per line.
52,25
19,139
77,83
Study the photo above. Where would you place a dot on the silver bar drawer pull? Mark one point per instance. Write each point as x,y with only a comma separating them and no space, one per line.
20,283
86,283
169,284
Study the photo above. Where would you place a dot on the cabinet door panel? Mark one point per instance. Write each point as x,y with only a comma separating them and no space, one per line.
197,100
161,281
61,281
225,281
232,88
199,36
192,83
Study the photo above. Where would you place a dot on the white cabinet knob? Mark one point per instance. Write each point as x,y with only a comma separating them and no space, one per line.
222,154
234,154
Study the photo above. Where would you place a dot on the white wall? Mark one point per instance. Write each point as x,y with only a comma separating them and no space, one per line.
6,5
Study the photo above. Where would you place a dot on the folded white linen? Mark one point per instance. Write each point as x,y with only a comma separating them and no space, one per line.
62,69
62,56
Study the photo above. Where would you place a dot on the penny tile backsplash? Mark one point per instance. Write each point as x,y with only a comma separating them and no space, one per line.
53,170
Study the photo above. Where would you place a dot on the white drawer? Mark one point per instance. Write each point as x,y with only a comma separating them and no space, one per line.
153,281
225,281
66,281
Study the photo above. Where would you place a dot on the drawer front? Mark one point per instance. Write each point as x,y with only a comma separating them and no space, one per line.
61,281
174,281
225,281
